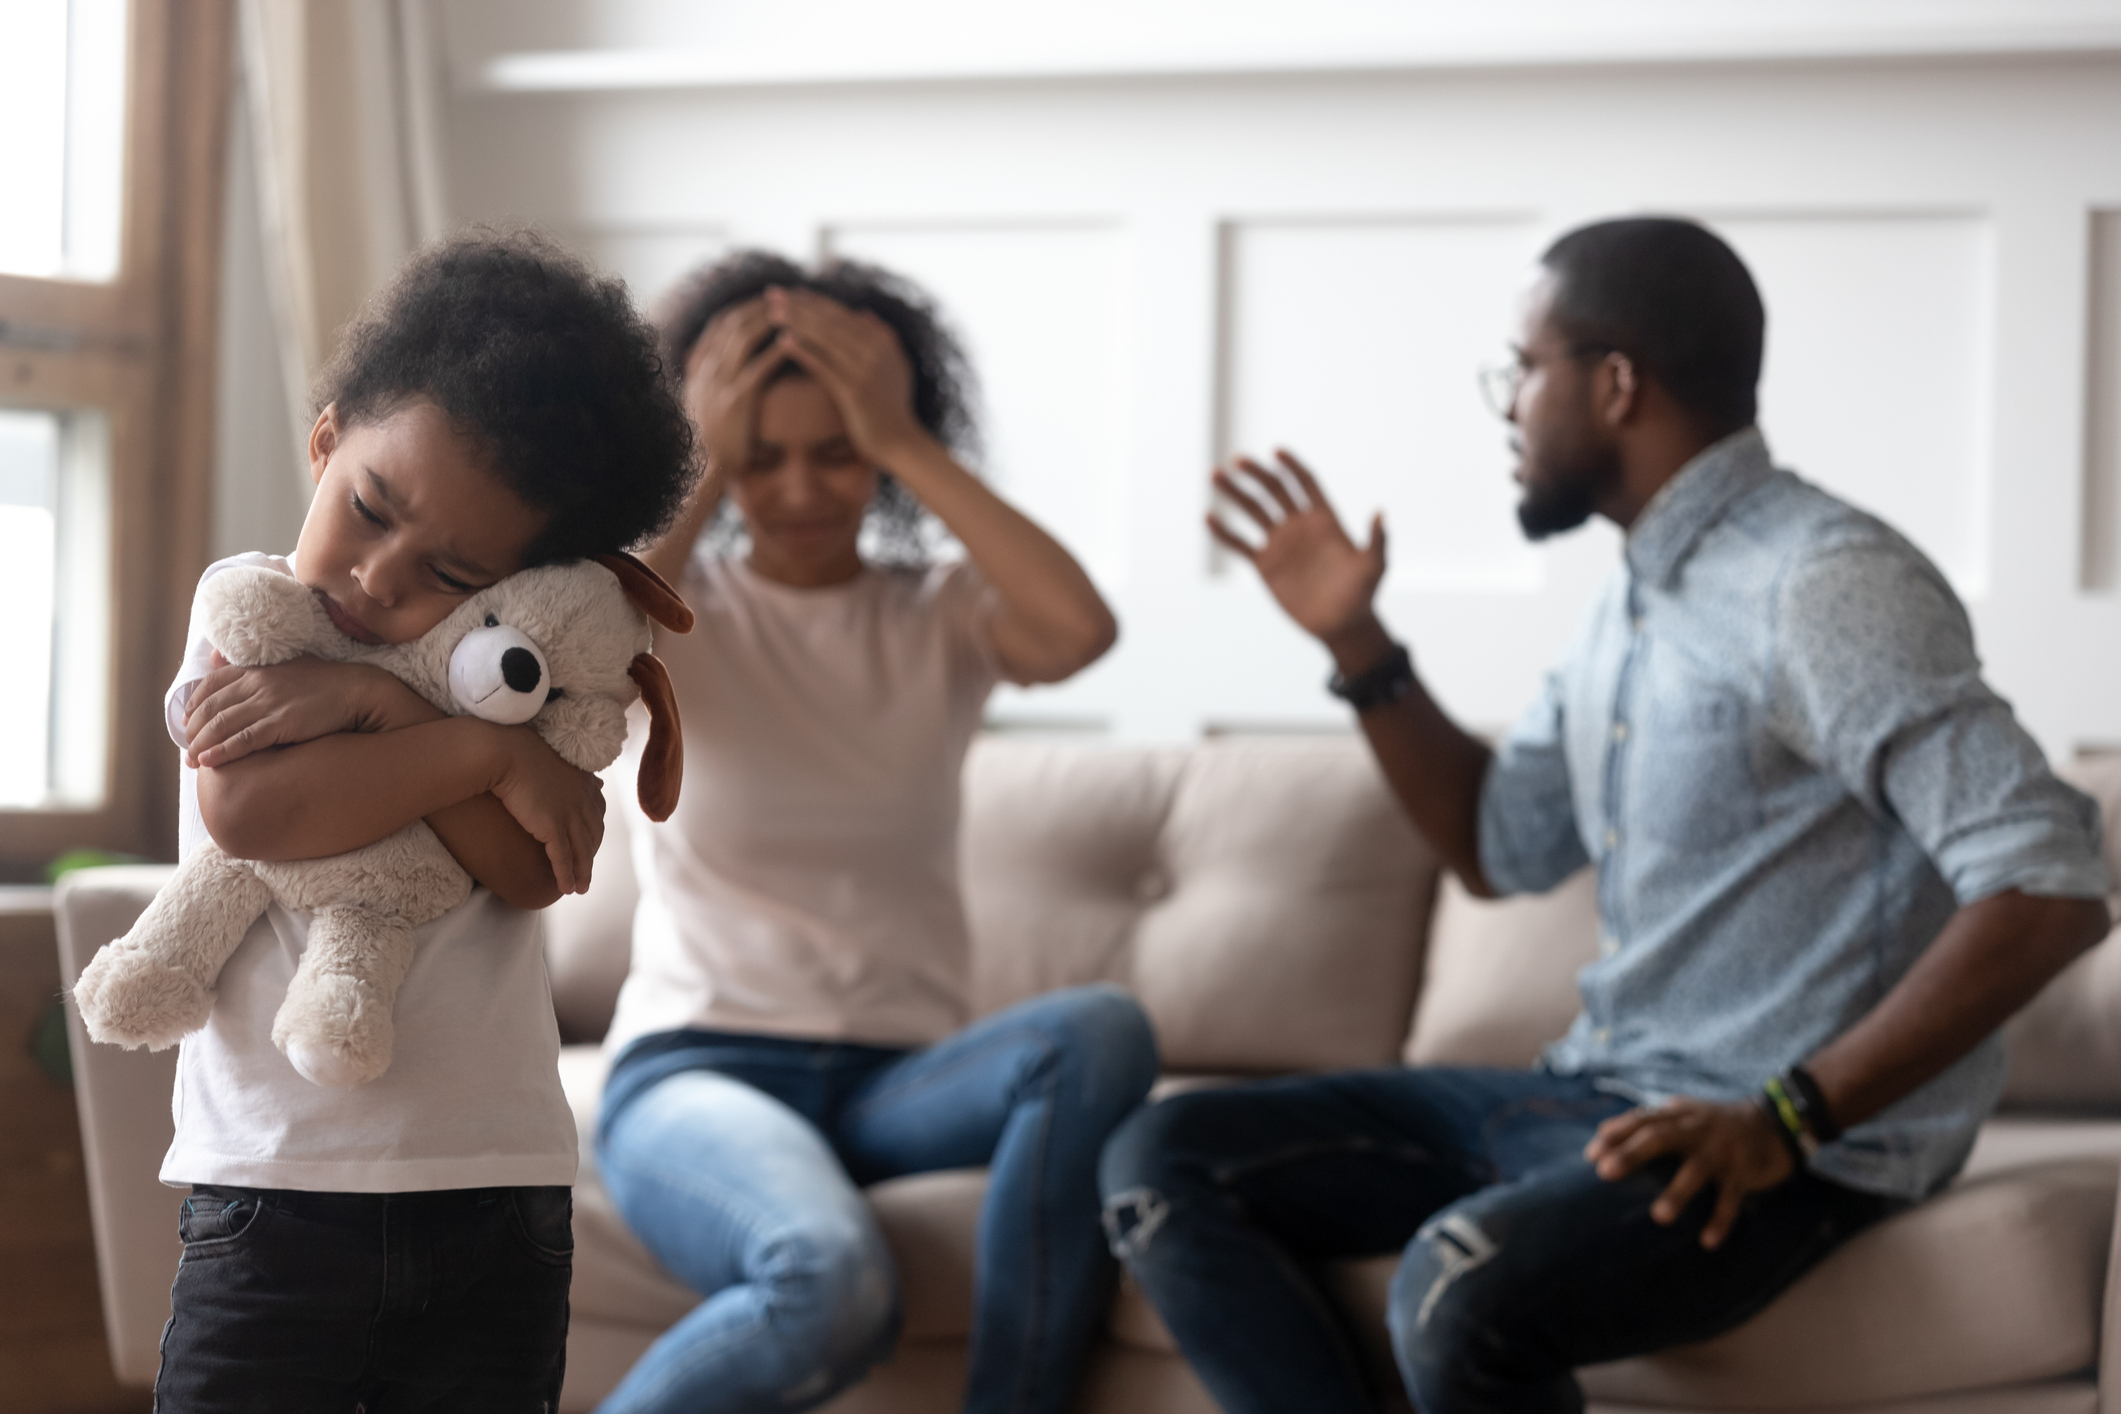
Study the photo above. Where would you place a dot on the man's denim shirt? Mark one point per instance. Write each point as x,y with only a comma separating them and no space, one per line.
1774,742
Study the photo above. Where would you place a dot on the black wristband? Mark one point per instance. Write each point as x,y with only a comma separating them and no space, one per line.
1376,686
1811,1104
1788,1136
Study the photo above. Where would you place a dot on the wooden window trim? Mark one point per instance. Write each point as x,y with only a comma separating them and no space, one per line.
142,347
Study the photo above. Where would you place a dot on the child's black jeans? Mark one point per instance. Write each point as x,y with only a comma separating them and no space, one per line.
369,1303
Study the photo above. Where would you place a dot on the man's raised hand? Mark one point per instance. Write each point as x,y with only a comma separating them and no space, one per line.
1321,578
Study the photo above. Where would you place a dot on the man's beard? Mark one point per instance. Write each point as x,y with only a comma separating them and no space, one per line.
1567,497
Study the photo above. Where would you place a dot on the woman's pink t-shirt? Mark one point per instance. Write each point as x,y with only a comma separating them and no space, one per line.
807,884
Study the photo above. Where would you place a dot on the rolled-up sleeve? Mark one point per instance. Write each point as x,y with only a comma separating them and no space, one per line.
1529,842
1873,676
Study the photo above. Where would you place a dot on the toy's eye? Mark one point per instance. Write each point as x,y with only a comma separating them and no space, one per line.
554,695
492,622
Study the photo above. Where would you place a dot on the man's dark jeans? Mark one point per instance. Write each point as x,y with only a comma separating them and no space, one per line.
1520,1264
369,1303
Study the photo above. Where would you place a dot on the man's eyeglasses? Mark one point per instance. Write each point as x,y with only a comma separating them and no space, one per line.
1501,382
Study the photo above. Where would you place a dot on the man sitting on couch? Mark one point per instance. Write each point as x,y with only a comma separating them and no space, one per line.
1830,864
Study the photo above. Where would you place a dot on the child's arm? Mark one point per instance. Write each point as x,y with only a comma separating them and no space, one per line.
360,755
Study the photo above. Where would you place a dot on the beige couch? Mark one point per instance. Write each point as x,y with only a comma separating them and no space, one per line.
1272,910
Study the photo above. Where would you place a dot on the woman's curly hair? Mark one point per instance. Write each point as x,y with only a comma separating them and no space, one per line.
545,367
898,529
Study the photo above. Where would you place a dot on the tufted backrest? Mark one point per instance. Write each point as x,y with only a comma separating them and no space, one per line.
1265,899
1501,974
1269,905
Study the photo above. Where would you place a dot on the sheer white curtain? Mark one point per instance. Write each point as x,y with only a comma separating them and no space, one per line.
340,106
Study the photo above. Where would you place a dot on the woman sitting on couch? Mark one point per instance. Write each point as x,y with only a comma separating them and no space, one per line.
794,1025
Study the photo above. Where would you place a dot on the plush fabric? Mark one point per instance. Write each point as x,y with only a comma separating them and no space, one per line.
1501,979
1281,948
1996,1281
1055,894
2065,1048
156,984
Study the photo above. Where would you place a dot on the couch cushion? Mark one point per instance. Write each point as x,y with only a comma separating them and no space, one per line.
1501,973
1061,851
615,1280
2100,778
1997,1280
2065,1048
2073,1396
1280,948
1176,873
2016,1141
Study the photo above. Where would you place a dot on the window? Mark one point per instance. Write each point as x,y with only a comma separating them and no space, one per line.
62,97
55,580
109,243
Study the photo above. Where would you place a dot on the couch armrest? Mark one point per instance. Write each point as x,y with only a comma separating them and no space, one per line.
124,1100
2110,1325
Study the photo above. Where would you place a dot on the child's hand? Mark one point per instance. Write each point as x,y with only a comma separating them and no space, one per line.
558,804
236,711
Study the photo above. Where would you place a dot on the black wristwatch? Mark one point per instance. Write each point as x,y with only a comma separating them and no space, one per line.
1387,682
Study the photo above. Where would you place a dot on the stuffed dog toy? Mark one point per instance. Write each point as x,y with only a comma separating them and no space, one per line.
563,648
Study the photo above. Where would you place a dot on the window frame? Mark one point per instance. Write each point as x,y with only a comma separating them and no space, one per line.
140,348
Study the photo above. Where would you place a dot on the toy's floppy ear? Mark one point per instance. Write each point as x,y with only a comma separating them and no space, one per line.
649,592
663,759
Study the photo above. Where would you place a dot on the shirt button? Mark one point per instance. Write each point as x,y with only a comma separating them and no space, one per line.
1612,839
1607,945
1620,731
1603,1035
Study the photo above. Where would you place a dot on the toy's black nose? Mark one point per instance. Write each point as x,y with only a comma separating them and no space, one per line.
519,669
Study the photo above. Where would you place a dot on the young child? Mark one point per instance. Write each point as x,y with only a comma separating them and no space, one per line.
406,1244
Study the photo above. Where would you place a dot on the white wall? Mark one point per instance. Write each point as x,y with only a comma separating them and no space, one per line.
1198,229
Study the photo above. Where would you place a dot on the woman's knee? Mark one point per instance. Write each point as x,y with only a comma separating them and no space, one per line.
1110,1040
830,1288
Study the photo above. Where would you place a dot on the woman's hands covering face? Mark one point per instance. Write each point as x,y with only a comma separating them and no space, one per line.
858,360
853,355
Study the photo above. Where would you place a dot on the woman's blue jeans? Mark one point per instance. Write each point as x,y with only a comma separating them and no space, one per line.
738,1161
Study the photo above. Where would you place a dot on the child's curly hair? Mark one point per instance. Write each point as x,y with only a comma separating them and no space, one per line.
898,530
541,364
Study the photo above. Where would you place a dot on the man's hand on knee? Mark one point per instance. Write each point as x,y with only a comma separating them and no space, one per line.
1733,1146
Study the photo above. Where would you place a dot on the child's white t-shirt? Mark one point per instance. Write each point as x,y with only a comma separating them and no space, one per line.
472,1098
807,884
